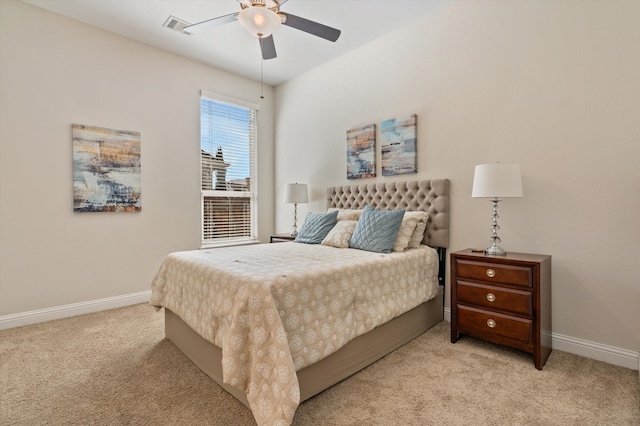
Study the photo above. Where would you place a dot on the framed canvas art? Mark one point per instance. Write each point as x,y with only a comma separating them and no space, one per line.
106,170
398,143
361,152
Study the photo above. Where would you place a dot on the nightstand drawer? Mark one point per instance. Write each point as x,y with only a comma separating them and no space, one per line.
495,273
506,326
496,298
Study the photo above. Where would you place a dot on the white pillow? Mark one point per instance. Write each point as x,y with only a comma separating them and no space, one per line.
347,214
408,225
340,234
418,233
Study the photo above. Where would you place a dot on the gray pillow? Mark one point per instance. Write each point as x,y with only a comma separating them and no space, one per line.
377,230
316,226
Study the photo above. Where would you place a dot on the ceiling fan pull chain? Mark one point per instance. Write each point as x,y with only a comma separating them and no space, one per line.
262,78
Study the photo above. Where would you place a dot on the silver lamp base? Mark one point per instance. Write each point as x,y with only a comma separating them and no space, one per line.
495,249
294,231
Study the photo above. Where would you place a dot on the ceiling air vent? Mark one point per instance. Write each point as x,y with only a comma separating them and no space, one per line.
176,24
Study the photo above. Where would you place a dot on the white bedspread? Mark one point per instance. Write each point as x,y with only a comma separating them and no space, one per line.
277,308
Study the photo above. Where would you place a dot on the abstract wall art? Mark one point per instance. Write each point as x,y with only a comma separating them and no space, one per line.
361,152
106,170
398,143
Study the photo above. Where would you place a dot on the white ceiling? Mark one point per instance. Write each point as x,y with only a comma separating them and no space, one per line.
230,47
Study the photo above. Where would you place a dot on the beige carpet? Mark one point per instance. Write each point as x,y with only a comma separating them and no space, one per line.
115,368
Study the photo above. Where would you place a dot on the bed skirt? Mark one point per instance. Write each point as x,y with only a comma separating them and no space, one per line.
313,379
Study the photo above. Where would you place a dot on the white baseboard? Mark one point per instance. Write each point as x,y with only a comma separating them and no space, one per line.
447,314
66,311
609,354
598,351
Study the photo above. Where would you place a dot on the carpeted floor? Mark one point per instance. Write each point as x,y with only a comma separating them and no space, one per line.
115,368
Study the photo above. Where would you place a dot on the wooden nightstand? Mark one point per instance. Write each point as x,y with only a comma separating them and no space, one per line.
503,299
281,238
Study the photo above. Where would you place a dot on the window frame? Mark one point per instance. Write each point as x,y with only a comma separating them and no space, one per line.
253,174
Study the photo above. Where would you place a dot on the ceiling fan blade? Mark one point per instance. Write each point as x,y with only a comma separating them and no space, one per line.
268,47
311,27
211,23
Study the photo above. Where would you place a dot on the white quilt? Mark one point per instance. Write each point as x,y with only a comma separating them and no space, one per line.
277,308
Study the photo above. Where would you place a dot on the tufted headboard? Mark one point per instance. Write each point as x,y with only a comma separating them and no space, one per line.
431,196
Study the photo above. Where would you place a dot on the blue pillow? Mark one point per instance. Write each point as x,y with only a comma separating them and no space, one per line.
316,226
377,230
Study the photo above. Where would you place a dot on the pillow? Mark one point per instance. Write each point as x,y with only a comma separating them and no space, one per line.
376,230
316,226
340,235
347,214
405,232
418,233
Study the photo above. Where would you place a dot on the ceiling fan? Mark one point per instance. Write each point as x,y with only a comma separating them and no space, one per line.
261,18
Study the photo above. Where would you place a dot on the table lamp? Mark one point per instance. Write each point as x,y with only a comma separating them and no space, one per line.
296,193
496,181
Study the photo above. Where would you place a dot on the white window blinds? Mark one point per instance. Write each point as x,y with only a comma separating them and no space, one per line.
228,185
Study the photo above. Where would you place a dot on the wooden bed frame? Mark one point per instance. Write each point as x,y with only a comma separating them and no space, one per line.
431,196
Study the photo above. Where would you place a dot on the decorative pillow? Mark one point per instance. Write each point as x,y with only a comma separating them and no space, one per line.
376,230
418,233
347,214
316,226
340,235
405,232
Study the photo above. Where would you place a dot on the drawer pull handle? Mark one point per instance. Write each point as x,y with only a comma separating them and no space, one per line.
491,297
491,273
491,323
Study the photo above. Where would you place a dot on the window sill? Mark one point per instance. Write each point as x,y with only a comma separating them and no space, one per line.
229,244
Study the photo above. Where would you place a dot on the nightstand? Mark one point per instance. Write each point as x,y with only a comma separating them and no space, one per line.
281,238
503,299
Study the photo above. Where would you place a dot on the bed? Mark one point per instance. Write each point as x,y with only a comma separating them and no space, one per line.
271,347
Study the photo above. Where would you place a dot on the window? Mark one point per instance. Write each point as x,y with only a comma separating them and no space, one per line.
228,161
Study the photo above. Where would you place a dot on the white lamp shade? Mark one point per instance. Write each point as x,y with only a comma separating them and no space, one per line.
259,21
497,180
296,193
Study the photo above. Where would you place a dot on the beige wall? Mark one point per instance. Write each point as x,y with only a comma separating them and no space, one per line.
56,71
553,86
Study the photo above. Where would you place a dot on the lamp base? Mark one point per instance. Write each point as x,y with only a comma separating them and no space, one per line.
495,250
294,230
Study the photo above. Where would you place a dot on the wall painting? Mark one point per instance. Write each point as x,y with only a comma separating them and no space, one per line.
398,143
361,152
106,170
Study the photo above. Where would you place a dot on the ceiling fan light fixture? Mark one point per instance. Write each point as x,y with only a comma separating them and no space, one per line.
259,21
